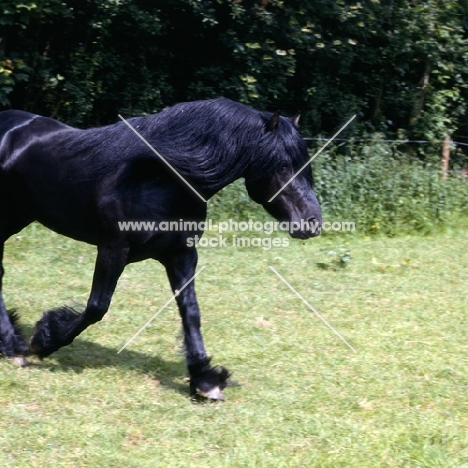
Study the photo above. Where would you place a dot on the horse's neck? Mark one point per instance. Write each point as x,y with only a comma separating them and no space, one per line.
221,171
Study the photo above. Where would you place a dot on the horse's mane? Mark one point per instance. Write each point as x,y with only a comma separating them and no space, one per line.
210,142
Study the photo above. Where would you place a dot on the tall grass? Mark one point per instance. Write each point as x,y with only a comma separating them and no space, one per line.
381,189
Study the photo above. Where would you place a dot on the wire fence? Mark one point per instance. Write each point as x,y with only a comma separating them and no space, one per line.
371,140
454,160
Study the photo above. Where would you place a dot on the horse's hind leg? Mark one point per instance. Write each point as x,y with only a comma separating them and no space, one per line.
59,327
11,340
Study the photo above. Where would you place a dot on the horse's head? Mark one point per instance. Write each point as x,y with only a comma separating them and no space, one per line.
280,178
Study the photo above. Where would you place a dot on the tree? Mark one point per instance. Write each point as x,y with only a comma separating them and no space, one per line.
401,66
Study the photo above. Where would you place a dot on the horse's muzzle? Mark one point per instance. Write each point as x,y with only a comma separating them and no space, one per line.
309,228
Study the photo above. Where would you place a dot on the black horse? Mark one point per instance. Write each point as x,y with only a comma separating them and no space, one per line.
82,183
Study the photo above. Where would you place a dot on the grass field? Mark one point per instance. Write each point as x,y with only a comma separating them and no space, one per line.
299,396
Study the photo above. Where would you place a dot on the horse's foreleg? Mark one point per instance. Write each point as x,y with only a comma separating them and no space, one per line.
59,327
206,380
11,339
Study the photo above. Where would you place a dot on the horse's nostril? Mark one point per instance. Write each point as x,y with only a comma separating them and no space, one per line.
314,224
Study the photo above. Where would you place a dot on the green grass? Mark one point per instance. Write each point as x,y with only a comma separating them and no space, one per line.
299,398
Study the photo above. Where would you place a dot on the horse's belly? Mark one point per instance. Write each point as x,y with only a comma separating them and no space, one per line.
73,230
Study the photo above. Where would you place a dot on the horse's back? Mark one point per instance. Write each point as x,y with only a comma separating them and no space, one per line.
18,120
14,117
11,120
18,127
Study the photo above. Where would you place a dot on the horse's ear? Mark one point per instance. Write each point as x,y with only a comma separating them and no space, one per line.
295,119
273,122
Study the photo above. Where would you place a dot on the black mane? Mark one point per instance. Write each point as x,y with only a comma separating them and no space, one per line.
211,143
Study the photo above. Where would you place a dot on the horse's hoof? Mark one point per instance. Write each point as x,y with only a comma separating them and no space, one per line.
34,346
53,331
20,361
213,394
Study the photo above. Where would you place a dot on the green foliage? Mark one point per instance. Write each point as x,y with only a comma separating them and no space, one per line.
12,71
401,66
335,258
384,191
86,62
234,202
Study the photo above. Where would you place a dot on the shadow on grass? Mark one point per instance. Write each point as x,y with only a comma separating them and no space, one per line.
83,354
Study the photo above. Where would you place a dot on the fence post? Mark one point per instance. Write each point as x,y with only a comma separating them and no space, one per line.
445,157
